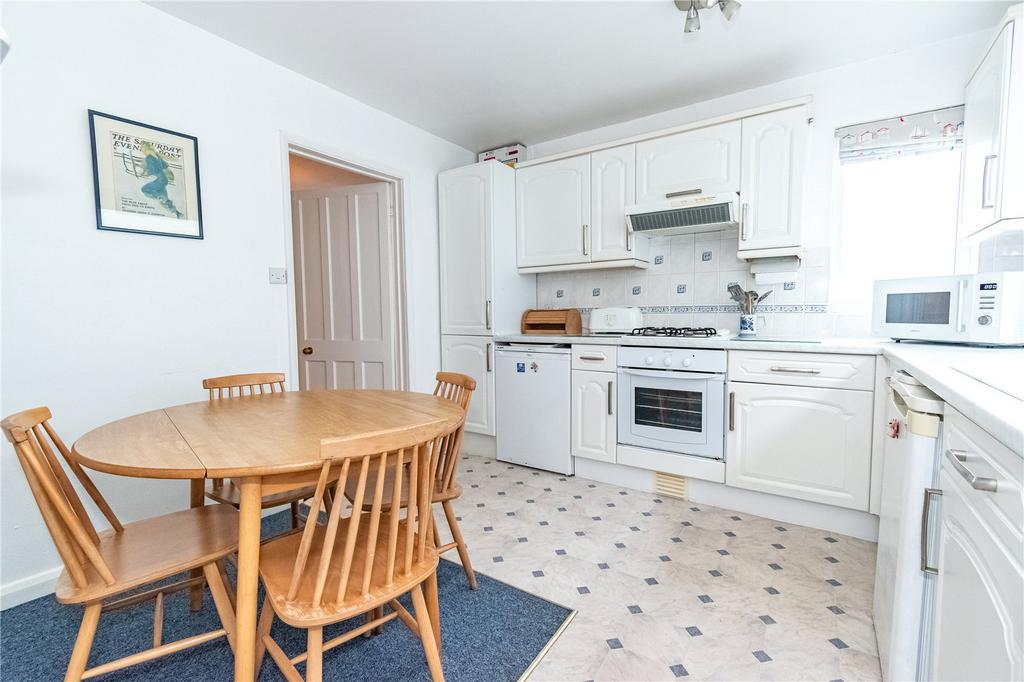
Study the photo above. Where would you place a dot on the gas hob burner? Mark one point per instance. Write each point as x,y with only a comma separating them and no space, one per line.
701,332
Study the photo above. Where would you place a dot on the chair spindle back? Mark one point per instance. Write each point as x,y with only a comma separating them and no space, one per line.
457,388
244,384
389,455
66,519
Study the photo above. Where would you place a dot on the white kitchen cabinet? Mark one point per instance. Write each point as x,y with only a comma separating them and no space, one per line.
482,291
593,415
800,441
993,156
976,631
553,212
774,149
613,187
473,356
705,159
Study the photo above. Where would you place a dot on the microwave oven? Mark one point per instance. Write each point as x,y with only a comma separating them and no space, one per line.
980,309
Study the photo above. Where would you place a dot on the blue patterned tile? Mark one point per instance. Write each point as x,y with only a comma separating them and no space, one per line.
634,609
705,599
761,656
651,581
614,643
538,574
678,670
767,620
838,643
694,631
771,590
583,589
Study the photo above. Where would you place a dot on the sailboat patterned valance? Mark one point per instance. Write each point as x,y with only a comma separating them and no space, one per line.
928,131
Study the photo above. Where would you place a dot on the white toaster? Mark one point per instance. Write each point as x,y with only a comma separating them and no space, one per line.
615,320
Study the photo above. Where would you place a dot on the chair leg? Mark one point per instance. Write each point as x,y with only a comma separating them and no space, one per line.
221,601
433,606
263,629
426,633
294,506
460,543
315,654
83,644
227,581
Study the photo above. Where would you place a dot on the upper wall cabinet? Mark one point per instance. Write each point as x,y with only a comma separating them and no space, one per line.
706,159
771,190
613,187
553,213
993,155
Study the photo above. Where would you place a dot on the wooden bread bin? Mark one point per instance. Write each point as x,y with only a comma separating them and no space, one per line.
564,322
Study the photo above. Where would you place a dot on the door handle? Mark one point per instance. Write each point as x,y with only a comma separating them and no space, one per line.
929,494
743,221
596,358
586,249
732,410
610,396
487,313
684,193
307,351
961,300
986,201
958,458
487,352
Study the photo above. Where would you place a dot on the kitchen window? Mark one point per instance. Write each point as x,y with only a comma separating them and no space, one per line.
899,184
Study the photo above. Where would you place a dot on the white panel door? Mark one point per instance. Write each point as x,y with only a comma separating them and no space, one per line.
979,610
985,101
593,415
797,441
464,217
343,287
771,192
707,159
613,187
473,356
553,212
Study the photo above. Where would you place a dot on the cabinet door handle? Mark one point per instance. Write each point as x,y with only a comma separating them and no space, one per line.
683,193
596,358
586,249
958,458
487,313
732,410
986,171
609,396
929,494
796,370
629,237
488,354
743,221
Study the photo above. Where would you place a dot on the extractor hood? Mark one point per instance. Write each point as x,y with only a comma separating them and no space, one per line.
685,214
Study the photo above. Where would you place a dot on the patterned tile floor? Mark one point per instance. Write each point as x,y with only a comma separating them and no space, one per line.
668,589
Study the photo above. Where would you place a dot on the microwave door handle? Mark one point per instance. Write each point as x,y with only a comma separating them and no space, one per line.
961,306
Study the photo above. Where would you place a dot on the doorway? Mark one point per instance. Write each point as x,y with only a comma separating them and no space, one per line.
347,261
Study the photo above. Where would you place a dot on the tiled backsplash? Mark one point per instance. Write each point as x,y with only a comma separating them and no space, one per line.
686,285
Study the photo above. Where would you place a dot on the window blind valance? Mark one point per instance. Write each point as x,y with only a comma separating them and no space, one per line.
928,131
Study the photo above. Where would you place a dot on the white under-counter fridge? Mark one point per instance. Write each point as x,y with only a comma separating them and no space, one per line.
532,405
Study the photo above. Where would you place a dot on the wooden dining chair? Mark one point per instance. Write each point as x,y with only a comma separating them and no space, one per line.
457,388
364,561
100,566
229,491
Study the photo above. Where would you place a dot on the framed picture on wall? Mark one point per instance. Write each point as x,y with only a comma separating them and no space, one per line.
146,178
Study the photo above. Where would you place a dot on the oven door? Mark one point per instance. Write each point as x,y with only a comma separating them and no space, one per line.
925,308
674,411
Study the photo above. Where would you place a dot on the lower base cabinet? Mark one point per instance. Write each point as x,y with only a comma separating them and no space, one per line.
798,441
473,356
593,415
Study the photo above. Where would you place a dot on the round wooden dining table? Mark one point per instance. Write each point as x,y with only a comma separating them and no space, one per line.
267,441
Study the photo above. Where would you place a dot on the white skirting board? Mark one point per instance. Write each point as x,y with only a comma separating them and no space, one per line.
479,444
29,588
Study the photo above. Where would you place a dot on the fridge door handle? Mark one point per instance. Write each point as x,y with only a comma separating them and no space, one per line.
610,391
929,495
487,352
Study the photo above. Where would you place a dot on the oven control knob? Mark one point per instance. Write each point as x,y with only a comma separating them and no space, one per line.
649,360
687,362
668,360
985,320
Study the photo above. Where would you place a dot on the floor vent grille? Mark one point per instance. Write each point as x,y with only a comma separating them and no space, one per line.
670,485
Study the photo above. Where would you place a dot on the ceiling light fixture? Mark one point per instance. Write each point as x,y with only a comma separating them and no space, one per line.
729,8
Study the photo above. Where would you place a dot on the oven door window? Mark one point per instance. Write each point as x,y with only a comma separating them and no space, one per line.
665,408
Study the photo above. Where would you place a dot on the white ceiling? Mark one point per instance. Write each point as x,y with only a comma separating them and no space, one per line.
483,74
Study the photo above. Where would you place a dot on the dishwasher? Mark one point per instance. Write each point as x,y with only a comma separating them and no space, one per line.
531,394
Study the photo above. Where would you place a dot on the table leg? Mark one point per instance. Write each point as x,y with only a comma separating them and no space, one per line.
434,607
197,498
248,578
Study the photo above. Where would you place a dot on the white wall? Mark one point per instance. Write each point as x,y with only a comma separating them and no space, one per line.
100,325
917,80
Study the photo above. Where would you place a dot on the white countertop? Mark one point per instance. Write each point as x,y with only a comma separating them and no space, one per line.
986,385
791,345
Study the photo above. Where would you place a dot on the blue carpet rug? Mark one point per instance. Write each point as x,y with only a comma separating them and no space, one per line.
492,634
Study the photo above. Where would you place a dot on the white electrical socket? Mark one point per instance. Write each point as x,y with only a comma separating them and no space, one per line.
278,275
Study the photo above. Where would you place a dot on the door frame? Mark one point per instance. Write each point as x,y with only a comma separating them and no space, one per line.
395,179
